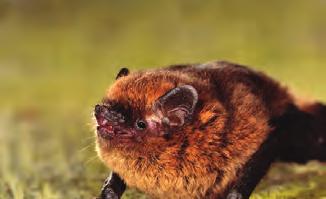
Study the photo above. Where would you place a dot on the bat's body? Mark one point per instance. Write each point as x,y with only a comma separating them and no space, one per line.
202,131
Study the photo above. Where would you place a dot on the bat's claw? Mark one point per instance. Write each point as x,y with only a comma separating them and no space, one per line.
234,195
108,193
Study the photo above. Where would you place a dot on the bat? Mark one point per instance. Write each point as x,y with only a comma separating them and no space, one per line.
207,130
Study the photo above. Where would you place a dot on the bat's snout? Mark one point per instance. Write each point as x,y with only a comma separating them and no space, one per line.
98,111
108,121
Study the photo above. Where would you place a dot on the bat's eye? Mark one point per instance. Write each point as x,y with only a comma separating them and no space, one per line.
141,125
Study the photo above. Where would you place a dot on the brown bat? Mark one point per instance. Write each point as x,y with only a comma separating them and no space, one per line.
202,131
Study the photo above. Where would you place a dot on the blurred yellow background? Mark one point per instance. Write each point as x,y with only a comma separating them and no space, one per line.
57,58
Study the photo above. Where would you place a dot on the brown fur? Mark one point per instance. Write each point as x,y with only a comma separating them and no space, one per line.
203,159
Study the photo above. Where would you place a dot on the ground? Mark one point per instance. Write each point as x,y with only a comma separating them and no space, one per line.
57,59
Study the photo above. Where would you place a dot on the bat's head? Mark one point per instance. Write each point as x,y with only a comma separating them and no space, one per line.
147,109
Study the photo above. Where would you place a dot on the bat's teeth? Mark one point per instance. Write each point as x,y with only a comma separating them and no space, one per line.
119,115
121,121
104,122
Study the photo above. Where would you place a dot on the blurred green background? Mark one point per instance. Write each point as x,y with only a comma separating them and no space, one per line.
57,58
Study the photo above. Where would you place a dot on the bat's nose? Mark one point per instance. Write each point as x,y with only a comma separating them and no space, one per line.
103,112
99,110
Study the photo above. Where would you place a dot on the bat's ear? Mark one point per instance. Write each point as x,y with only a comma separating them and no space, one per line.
176,106
123,72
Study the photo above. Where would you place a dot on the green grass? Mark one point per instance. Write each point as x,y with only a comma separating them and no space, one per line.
58,57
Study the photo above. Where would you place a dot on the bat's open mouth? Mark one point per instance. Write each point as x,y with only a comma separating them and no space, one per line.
109,123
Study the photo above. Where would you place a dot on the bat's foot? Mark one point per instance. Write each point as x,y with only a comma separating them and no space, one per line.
112,188
234,195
